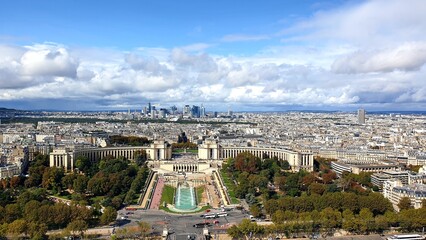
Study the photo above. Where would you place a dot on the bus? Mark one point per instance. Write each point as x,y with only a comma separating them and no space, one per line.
222,214
407,236
210,216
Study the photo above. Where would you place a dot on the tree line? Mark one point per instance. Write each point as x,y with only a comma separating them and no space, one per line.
312,202
327,221
51,199
129,140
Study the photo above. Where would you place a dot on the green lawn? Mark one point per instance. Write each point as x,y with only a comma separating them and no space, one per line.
229,186
64,195
168,194
200,191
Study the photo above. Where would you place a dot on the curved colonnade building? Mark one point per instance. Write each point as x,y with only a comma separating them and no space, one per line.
65,158
160,151
298,160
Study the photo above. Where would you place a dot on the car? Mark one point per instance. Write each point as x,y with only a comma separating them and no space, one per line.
216,222
200,225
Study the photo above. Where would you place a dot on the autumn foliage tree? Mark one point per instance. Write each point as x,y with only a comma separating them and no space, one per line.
247,162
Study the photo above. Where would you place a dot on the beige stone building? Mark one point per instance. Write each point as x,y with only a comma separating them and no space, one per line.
298,160
65,158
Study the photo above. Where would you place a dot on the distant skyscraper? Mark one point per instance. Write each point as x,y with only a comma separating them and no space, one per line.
361,116
202,111
195,111
163,113
149,107
186,110
173,109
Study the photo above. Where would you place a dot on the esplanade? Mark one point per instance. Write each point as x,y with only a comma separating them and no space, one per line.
160,153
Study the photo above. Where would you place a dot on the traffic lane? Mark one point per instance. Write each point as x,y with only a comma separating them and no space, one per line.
180,223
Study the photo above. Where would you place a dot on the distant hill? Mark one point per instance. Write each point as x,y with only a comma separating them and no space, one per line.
7,109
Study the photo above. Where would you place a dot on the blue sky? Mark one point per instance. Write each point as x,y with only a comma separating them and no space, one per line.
248,55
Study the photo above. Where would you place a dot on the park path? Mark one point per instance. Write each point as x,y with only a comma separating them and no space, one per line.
156,198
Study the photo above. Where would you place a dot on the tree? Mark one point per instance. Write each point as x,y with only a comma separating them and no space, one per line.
280,182
3,230
31,210
285,165
412,219
36,230
344,183
80,184
247,227
77,226
404,203
329,177
376,203
52,178
68,180
271,206
330,219
234,232
109,215
89,168
141,157
247,162
12,212
278,217
308,180
17,227
349,223
255,211
381,223
1,214
316,188
15,181
36,175
350,201
144,228
366,220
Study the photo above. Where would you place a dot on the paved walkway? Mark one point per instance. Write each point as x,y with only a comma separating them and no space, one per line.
145,199
156,198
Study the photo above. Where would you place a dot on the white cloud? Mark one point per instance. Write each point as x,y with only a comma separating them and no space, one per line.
407,57
243,38
149,65
196,47
341,73
375,22
48,61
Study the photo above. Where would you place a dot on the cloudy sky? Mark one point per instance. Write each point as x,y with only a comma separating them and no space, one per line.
246,55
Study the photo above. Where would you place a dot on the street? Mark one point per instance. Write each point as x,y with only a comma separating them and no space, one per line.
179,225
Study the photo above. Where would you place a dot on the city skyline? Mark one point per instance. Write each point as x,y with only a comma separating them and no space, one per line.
250,56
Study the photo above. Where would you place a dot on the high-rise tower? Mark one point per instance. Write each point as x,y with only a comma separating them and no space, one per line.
361,116
202,111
